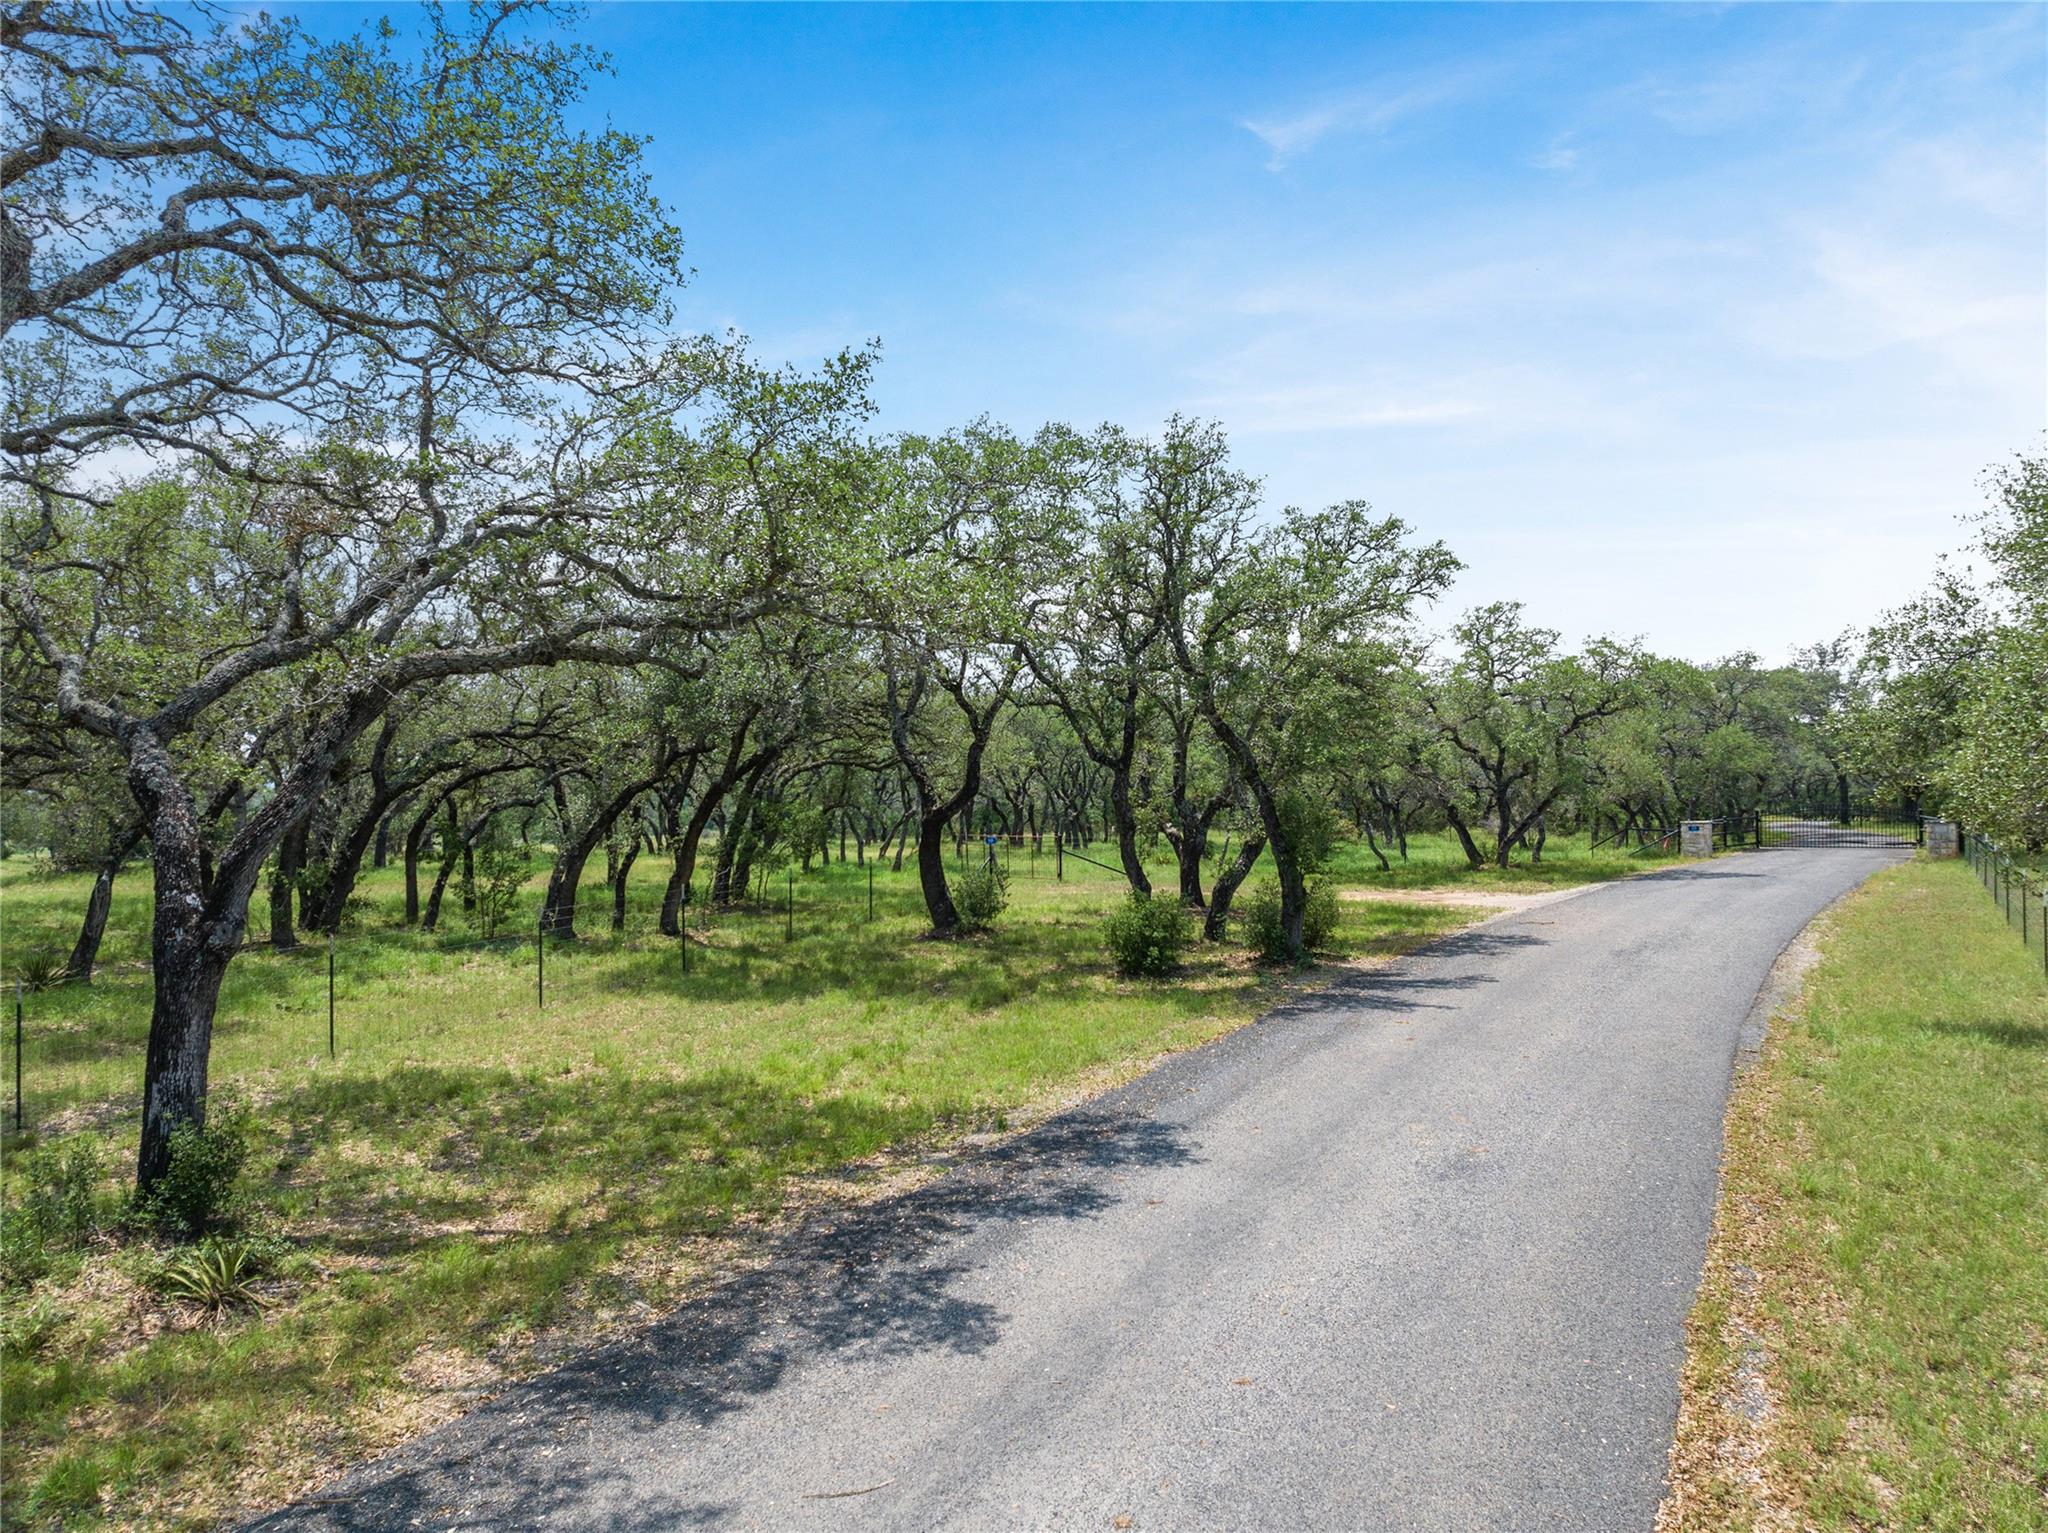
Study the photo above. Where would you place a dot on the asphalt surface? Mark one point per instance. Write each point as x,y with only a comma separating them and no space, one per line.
1415,1254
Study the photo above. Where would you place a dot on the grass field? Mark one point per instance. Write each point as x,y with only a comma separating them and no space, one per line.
1870,1345
477,1183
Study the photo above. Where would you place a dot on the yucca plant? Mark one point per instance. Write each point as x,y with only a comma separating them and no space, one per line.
39,969
216,1275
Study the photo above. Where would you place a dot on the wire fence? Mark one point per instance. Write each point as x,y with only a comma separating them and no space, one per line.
386,994
2011,884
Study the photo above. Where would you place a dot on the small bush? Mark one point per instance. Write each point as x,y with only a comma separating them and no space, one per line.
490,894
53,1203
1263,931
215,1274
1147,935
1313,828
197,1194
981,895
1319,920
356,912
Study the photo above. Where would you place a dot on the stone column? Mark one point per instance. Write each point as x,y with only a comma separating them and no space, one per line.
1696,838
1944,839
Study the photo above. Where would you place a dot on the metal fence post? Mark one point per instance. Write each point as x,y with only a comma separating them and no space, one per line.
540,969
871,891
17,1056
789,910
330,995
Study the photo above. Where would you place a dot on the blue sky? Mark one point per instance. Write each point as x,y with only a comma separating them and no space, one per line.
1696,323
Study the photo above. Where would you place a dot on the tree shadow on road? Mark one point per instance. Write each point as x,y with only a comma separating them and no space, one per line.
1694,874
878,1281
1409,986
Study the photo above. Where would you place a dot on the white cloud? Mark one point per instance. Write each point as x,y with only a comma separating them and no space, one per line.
1371,110
1940,250
1796,80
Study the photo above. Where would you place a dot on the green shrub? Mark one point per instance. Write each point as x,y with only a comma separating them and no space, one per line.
197,1193
981,895
53,1202
1319,920
1147,935
1265,935
491,890
1313,828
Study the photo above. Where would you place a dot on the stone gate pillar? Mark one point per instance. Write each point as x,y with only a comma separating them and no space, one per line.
1944,838
1696,838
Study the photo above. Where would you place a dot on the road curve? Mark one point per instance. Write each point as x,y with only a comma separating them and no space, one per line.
1413,1254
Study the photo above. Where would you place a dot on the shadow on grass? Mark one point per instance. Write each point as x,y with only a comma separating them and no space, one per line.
873,1282
2006,1035
1032,960
675,1157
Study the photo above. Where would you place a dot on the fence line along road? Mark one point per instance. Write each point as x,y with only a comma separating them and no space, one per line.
2011,885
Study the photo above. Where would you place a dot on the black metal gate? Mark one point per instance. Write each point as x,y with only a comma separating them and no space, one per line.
1863,825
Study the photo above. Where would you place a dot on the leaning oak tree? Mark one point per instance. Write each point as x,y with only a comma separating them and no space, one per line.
1095,640
979,519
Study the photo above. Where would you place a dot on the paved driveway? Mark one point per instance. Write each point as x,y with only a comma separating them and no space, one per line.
1415,1254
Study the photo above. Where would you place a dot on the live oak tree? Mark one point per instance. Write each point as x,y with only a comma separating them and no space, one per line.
1514,717
1286,636
985,514
625,746
1095,636
1199,787
218,230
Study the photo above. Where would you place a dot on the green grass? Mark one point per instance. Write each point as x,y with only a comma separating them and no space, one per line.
476,1183
1435,861
1887,1184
